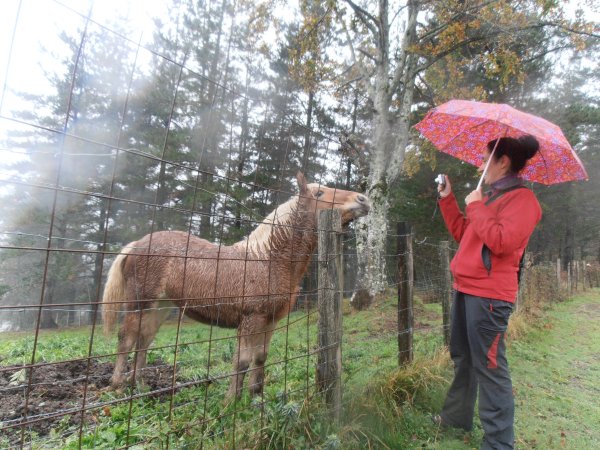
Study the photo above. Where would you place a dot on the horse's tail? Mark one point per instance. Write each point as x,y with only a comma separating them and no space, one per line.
114,290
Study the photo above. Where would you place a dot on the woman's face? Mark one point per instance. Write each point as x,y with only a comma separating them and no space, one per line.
497,169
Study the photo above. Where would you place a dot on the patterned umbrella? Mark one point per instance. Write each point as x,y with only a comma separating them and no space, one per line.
463,128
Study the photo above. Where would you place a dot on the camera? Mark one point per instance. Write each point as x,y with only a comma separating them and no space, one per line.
440,179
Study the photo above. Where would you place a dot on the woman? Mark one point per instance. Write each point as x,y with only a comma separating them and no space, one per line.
493,235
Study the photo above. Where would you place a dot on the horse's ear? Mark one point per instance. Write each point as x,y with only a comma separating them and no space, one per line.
302,183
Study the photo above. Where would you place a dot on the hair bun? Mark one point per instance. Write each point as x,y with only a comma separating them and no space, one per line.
530,145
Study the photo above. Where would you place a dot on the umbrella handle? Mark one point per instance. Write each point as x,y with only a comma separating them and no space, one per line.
487,164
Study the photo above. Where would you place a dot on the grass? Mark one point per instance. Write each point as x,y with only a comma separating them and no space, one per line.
556,378
555,370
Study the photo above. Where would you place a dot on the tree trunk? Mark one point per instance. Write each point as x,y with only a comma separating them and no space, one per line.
307,133
206,207
47,317
242,152
390,138
352,132
98,263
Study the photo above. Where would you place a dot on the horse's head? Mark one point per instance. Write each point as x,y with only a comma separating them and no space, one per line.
352,205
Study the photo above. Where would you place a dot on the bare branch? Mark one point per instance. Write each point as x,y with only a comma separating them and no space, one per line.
362,70
348,37
429,95
349,82
368,55
407,40
365,17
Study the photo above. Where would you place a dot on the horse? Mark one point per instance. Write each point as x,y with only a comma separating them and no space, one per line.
249,285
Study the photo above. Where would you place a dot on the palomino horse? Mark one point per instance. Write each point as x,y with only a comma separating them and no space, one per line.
249,285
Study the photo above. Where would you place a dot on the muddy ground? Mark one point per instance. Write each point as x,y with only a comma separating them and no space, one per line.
56,394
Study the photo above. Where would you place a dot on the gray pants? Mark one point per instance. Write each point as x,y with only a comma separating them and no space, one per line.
477,348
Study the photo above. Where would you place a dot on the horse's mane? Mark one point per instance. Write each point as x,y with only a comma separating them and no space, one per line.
278,224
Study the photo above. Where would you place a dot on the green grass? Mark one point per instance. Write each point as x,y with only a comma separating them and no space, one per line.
554,364
556,377
556,369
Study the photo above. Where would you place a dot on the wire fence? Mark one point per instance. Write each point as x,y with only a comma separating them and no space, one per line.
106,159
106,162
190,365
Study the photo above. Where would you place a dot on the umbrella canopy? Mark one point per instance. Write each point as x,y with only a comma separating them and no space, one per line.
463,128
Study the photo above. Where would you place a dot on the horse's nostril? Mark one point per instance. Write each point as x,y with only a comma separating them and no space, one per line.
360,198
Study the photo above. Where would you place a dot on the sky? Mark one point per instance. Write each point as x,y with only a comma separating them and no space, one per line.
30,44
27,27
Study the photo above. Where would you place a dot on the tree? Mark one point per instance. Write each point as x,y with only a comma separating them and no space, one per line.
68,155
571,105
389,60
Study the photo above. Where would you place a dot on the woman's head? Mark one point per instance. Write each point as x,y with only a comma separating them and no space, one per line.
517,150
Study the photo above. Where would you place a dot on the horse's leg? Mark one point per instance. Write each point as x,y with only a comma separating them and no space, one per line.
128,335
241,358
259,343
148,327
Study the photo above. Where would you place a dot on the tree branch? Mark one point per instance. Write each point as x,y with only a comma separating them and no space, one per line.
365,17
565,28
368,55
410,35
452,49
355,151
547,52
454,18
362,70
348,37
430,95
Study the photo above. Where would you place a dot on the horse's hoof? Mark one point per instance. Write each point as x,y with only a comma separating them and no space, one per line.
116,384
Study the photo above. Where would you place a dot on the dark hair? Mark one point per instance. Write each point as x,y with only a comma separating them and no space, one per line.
518,150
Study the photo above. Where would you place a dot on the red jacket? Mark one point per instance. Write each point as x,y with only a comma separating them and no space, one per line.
504,226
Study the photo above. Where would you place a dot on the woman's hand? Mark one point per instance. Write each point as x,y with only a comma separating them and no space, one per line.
445,189
474,196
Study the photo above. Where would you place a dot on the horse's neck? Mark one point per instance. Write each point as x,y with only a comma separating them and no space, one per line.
286,235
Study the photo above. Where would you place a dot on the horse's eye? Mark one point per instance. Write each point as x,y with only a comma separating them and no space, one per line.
320,194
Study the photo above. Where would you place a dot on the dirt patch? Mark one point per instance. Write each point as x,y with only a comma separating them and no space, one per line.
56,394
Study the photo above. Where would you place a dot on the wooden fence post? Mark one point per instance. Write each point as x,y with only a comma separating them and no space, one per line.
405,294
523,281
558,273
569,280
330,283
446,288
